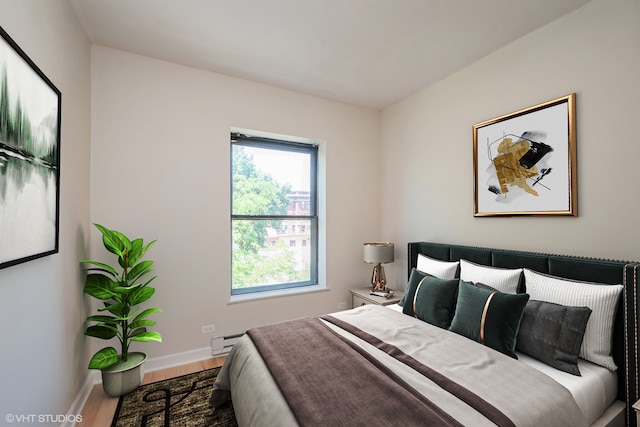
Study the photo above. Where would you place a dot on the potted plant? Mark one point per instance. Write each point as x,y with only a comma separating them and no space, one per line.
121,289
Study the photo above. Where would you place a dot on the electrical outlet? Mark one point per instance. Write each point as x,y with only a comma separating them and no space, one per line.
342,305
207,329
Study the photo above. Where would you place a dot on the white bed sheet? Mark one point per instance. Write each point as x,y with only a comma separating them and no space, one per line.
594,391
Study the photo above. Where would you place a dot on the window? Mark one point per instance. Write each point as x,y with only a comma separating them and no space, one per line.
273,188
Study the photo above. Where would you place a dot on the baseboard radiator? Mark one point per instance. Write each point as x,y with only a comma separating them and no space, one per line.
223,344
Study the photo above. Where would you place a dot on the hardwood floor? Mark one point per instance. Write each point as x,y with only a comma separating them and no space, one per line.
99,409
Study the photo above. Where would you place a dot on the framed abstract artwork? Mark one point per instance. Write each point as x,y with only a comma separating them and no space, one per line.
525,162
29,158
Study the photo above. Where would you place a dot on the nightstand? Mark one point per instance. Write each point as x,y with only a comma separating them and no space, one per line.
361,297
636,407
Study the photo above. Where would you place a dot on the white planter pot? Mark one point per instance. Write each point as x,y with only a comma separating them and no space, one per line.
124,377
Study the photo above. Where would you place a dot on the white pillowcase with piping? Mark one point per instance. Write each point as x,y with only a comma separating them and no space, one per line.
502,279
437,268
601,299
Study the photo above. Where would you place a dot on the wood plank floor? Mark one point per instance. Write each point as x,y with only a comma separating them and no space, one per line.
99,409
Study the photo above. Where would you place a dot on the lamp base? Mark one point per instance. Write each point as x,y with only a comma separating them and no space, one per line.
378,279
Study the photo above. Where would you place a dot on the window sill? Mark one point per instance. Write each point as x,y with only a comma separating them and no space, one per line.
234,299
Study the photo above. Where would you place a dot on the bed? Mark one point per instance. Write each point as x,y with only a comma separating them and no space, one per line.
502,348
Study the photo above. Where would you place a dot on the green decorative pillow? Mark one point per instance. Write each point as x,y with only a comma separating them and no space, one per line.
489,317
414,278
435,300
434,267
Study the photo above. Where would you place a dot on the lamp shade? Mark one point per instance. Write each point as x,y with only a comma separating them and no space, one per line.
378,252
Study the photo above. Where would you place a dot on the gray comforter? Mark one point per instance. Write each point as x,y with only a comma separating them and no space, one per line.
526,396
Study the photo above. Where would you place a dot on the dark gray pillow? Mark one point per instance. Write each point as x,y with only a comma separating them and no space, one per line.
553,333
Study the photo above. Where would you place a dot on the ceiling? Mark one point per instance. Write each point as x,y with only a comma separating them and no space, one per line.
371,53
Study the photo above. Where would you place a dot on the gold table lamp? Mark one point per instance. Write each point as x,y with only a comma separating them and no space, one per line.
378,253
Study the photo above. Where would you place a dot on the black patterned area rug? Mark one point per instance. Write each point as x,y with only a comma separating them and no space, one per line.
180,402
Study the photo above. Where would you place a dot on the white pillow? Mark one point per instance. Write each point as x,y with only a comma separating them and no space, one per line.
434,267
601,299
502,279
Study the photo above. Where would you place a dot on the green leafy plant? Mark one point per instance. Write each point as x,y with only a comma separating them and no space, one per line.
121,289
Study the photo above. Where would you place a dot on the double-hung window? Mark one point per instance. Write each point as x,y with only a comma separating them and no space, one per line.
274,219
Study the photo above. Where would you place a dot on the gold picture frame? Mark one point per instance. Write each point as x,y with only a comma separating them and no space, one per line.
525,162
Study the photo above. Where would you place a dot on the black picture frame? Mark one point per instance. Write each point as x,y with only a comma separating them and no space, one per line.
30,118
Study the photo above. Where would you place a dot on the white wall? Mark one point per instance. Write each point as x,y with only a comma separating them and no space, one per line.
427,140
43,357
160,169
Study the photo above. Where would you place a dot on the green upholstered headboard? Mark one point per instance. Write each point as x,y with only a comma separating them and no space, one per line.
625,336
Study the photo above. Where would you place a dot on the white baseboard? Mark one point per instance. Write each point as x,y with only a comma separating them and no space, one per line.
152,364
78,404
